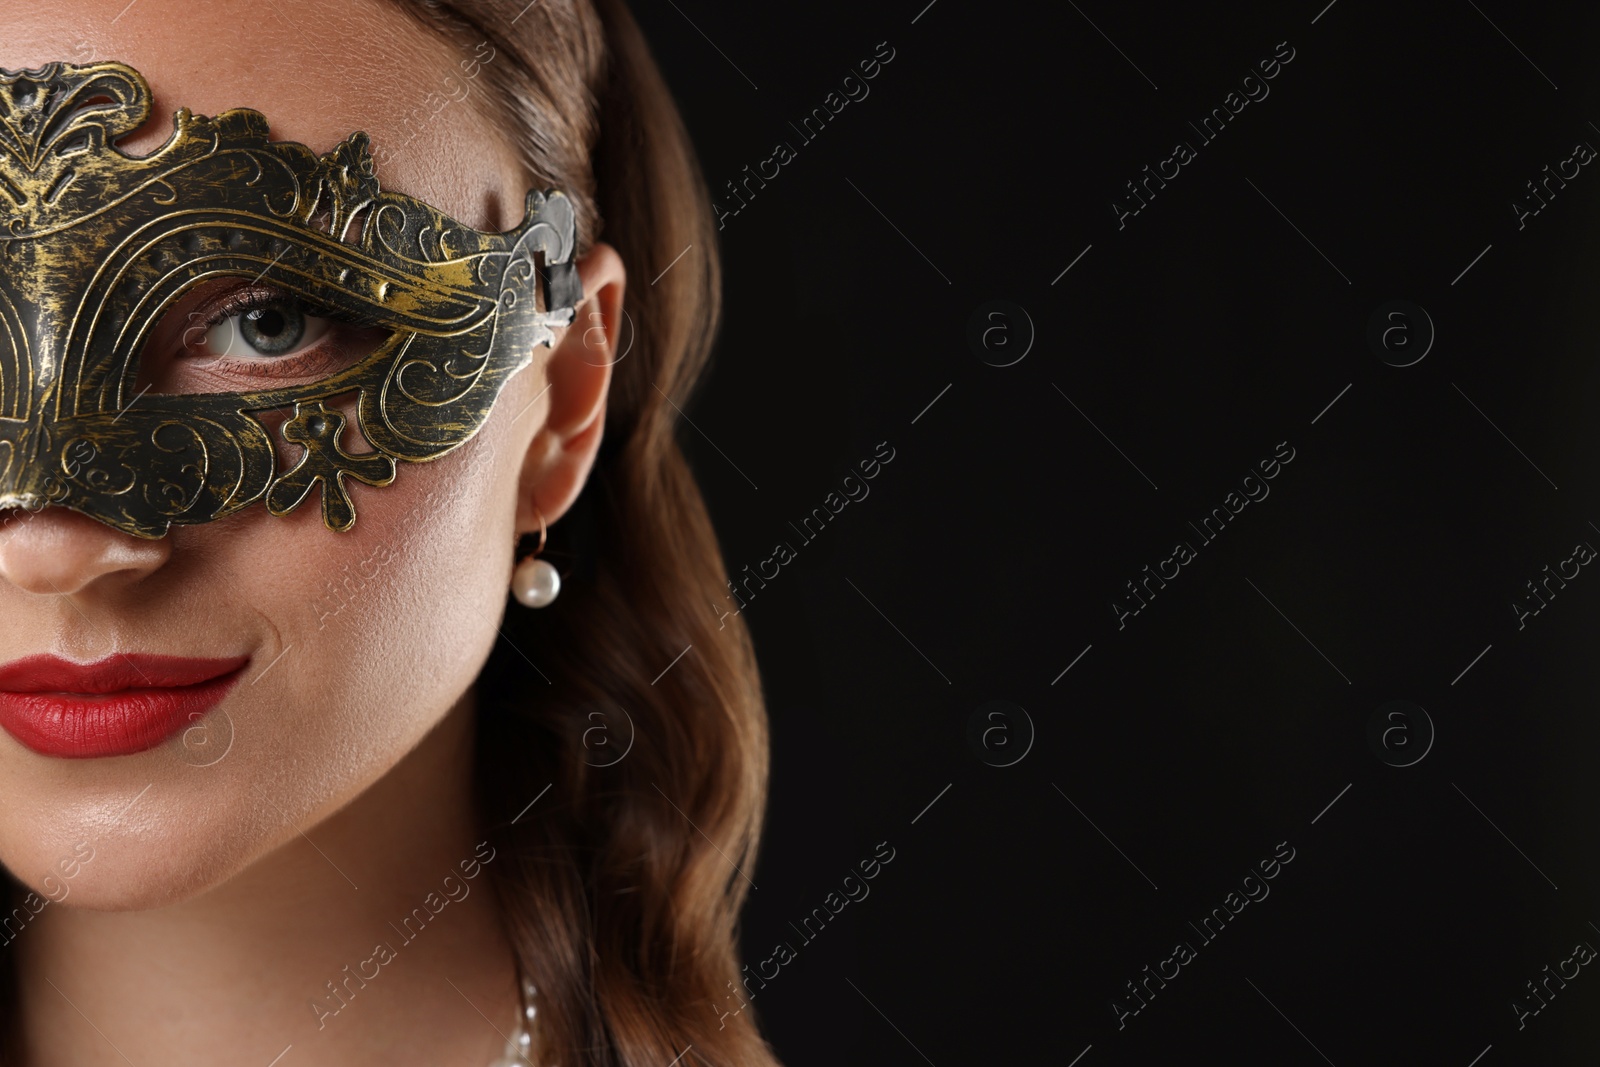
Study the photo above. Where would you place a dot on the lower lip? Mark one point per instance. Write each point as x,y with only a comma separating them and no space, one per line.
94,725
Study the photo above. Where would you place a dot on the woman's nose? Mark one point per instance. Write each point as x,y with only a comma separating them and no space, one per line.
61,551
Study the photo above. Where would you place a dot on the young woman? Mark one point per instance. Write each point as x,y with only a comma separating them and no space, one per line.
292,784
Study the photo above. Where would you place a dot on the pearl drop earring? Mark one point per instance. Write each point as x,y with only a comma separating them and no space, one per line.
535,582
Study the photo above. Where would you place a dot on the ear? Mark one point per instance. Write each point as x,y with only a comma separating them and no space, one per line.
578,371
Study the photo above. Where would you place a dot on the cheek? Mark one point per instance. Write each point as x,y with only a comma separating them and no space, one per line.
382,628
362,642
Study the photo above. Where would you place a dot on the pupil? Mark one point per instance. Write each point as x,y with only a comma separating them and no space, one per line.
273,330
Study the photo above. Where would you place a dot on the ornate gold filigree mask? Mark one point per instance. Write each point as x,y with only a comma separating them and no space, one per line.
99,245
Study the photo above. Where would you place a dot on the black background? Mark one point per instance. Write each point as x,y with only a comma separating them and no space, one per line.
1229,714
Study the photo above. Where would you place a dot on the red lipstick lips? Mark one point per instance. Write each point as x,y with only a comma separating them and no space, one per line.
115,707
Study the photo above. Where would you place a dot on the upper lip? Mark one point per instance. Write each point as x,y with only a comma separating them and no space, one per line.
119,671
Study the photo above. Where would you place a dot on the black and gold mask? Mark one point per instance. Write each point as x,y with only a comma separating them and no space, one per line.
98,246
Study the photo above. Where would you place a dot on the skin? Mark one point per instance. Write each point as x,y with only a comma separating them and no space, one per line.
220,899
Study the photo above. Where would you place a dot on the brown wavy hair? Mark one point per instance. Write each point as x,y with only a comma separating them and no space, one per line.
622,886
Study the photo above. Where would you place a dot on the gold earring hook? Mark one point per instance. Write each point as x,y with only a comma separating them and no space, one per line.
540,548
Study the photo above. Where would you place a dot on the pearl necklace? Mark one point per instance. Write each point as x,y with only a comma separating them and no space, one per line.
521,1040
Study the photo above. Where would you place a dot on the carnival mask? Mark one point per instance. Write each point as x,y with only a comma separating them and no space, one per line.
99,245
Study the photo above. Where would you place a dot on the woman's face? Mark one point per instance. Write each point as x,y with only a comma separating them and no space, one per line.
354,644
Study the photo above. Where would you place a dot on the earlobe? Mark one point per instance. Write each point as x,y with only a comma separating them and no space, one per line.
578,372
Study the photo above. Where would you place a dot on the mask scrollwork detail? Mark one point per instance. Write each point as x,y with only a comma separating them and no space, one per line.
99,245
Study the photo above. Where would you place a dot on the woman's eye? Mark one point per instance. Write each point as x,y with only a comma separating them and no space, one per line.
281,328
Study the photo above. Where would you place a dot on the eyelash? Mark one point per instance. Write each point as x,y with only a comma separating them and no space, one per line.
317,359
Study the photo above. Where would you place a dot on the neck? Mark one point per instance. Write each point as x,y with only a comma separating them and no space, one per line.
376,938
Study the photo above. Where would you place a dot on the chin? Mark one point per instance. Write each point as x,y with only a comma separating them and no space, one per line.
145,878
129,869
140,832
